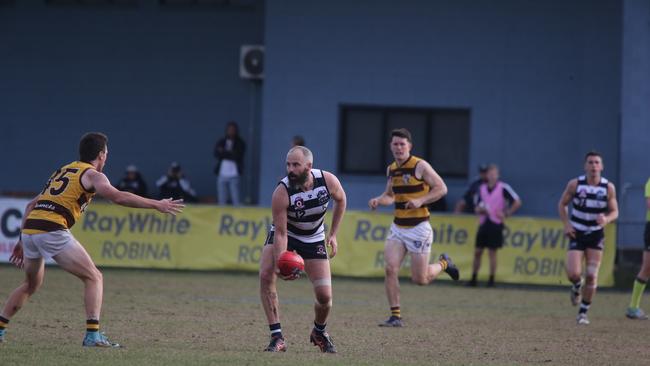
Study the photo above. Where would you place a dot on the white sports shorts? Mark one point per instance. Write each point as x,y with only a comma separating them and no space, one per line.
416,239
46,244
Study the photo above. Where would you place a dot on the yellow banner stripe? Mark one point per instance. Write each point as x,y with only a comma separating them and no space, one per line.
534,251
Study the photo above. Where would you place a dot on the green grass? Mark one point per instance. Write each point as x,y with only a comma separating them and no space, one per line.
193,318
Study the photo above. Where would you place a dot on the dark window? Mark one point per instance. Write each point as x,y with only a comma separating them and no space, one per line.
229,4
440,136
125,3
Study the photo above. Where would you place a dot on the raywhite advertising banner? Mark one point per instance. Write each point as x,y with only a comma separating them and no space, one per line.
207,237
11,215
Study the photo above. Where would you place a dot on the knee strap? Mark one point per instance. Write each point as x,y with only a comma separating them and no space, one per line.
592,268
322,282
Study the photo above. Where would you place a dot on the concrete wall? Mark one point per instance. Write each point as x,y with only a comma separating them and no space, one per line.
161,81
635,121
542,79
545,81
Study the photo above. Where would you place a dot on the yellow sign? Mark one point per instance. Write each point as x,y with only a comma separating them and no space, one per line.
202,237
226,238
534,249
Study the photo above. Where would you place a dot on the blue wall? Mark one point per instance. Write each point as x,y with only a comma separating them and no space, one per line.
635,121
545,80
542,79
161,82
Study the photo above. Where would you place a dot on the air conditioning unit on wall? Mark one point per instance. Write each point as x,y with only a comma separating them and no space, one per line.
251,62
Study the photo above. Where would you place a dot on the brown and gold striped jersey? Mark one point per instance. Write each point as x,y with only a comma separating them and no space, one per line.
405,187
61,202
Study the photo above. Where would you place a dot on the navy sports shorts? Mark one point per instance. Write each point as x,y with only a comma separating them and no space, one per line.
489,235
305,250
583,241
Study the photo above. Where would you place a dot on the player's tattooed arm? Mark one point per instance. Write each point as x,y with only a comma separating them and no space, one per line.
279,206
612,205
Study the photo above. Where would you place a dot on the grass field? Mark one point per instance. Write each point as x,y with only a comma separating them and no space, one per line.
190,318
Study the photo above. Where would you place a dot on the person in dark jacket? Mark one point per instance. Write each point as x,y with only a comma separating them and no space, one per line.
229,152
175,185
467,203
133,182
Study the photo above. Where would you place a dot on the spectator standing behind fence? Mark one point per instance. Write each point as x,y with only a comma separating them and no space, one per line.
495,200
175,185
133,182
466,203
229,152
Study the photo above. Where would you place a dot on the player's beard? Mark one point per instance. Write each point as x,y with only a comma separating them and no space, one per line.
298,180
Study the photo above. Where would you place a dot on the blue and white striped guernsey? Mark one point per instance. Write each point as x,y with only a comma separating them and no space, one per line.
588,202
306,211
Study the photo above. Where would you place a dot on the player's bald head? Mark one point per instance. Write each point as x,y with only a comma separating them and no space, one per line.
301,152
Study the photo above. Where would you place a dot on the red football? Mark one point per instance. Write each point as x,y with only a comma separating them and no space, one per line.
290,263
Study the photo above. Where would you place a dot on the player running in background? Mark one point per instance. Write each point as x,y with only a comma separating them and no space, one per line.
412,185
46,232
594,205
634,311
299,204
